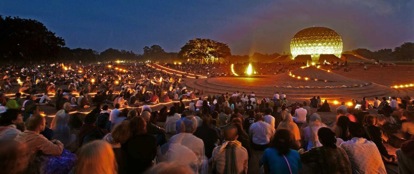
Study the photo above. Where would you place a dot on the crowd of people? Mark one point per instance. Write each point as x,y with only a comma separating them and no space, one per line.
122,132
224,133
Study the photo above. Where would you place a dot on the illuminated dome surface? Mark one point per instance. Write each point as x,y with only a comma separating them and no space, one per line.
315,41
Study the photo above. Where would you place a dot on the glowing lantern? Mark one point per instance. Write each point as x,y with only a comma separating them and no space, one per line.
249,70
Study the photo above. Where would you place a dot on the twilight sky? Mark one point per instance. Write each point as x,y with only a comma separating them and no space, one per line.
247,26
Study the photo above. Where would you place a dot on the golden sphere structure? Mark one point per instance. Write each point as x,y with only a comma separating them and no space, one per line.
315,41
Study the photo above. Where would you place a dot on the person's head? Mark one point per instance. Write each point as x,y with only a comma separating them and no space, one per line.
286,116
356,130
117,106
14,156
259,117
283,140
327,137
96,157
146,116
170,168
138,126
11,116
36,123
105,107
186,125
230,133
188,113
315,118
121,132
132,113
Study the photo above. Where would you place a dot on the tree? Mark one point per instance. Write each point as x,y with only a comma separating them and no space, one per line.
27,40
204,50
405,51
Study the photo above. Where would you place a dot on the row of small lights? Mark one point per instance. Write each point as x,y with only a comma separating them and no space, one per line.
304,78
403,86
118,69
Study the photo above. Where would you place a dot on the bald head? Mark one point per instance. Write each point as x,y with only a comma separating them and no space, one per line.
146,115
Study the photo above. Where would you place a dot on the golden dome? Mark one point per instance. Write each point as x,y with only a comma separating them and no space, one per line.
315,41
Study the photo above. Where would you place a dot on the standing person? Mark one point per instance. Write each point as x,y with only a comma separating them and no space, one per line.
208,134
261,133
328,158
314,104
96,157
230,157
363,154
280,158
394,103
376,103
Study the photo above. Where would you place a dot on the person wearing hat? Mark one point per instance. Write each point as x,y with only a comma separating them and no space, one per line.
311,131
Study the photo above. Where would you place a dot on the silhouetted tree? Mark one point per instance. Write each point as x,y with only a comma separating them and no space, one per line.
204,50
27,40
405,51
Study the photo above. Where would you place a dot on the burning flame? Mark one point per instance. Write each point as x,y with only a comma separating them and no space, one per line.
249,70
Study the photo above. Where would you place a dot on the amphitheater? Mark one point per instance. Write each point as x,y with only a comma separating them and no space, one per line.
300,84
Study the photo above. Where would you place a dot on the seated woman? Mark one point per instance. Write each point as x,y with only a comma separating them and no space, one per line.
280,158
288,124
311,132
328,158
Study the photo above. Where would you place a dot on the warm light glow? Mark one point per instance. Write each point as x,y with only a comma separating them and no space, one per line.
249,70
109,66
19,81
92,80
315,41
80,71
232,70
306,78
118,61
116,68
116,82
299,77
335,102
349,104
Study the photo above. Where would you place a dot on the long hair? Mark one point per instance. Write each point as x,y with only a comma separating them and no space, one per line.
283,141
95,158
343,122
121,132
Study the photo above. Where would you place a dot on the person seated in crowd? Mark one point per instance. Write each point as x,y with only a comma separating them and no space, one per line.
208,134
280,157
140,148
13,157
11,124
300,115
119,135
230,157
96,157
153,129
325,107
310,133
60,126
185,128
37,142
288,124
363,154
328,158
341,128
261,133
405,157
83,101
89,131
374,134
